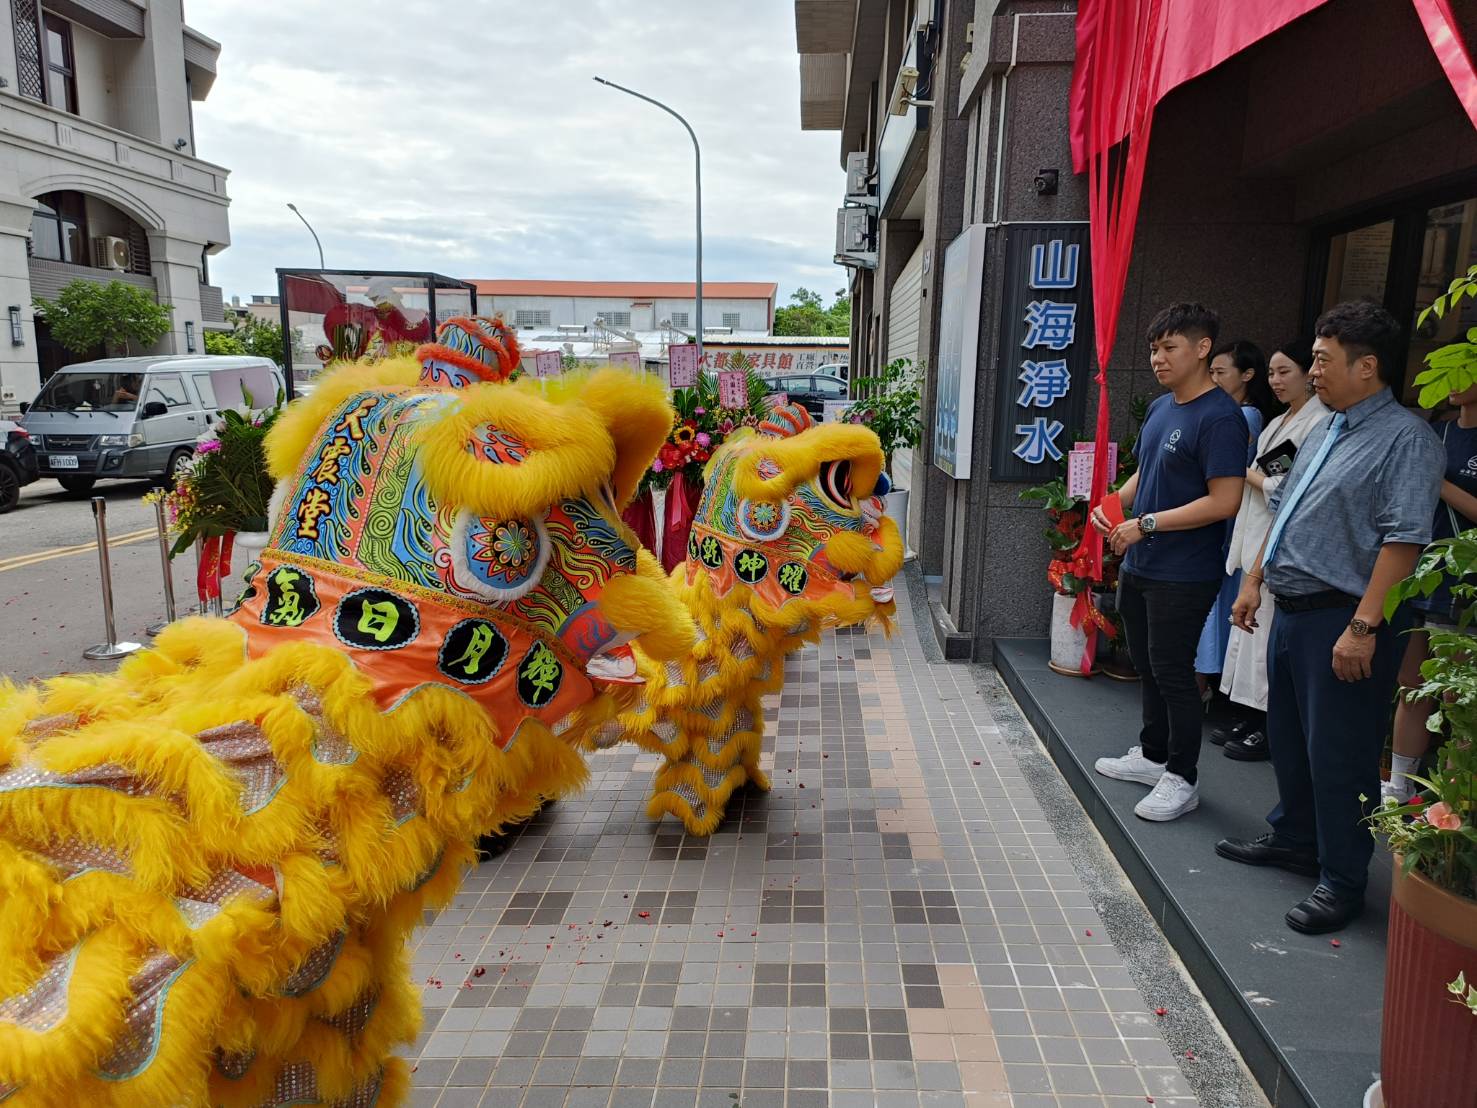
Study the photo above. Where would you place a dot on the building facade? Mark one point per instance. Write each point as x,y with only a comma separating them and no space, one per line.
1327,161
98,175
728,306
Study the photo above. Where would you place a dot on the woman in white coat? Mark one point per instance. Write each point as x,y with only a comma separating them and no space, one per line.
1244,676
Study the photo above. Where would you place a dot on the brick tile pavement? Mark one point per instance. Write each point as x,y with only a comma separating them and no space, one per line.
895,924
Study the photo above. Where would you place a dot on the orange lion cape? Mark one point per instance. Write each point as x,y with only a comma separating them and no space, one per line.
211,859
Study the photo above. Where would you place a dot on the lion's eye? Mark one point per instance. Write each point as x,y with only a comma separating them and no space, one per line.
835,482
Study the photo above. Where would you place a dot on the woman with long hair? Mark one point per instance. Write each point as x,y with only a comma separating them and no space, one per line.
1244,675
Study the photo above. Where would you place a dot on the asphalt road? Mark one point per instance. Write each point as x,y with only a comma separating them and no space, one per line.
50,595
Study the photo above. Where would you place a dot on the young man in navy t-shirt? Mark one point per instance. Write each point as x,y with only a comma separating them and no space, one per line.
1192,465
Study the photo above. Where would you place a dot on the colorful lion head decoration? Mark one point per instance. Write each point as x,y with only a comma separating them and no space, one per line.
448,531
793,514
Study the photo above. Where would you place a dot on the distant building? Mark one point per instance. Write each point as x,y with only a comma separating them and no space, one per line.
98,174
729,307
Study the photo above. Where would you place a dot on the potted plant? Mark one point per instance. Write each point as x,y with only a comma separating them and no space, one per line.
221,500
889,403
1066,515
1428,1053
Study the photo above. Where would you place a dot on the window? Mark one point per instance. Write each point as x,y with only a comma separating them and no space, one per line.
830,388
679,320
618,319
59,228
204,388
526,317
61,72
731,319
1359,264
169,390
27,19
1448,247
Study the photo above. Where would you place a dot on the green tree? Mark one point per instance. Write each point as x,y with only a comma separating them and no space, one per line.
250,336
805,315
220,342
115,316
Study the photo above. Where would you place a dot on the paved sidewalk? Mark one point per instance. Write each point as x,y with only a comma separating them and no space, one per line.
895,924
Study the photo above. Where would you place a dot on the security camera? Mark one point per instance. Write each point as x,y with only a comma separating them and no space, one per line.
1046,182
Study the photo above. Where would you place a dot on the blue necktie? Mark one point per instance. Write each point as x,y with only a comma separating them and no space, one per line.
1335,428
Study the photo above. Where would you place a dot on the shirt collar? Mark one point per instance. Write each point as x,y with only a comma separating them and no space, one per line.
1367,407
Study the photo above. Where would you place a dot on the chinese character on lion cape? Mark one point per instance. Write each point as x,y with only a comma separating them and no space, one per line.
789,540
211,859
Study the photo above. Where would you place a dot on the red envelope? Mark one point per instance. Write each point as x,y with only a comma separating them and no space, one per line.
1112,507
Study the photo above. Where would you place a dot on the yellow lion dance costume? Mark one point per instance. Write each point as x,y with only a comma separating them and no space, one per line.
789,539
210,860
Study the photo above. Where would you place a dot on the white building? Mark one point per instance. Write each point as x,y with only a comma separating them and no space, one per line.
736,306
98,174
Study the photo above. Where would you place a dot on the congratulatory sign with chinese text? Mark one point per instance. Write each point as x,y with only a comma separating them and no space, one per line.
1045,360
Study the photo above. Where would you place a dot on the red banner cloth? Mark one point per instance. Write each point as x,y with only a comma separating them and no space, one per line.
1446,39
682,498
640,517
215,565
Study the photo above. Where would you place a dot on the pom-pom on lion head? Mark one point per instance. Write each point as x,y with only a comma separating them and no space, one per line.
793,513
448,532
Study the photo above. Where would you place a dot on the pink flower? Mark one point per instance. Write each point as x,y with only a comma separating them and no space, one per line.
209,446
727,426
700,411
1440,816
656,465
704,439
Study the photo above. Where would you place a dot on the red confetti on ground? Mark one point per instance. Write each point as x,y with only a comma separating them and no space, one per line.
1161,1011
802,784
976,761
1190,1054
644,915
1149,1099
457,956
607,923
720,934
548,946
753,934
415,1067
1334,942
825,755
479,971
1089,932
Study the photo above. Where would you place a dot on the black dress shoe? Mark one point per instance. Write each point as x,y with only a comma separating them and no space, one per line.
1267,851
1220,736
1250,747
1325,911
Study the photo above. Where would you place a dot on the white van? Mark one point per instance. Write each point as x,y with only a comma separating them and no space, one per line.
138,417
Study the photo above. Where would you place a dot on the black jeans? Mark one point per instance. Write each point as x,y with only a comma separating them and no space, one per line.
1162,621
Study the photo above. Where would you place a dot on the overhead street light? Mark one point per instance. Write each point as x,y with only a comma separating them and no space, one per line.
312,232
698,174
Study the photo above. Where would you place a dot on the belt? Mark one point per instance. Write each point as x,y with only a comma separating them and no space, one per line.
1315,601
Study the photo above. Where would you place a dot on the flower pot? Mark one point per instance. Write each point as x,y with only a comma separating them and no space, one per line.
1428,1052
897,510
1068,643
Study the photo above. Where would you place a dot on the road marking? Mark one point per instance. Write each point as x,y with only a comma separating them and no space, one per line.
20,561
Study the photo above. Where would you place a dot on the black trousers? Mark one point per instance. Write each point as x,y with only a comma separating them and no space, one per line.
1162,621
1326,737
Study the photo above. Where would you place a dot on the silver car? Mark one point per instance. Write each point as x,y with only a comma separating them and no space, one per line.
138,417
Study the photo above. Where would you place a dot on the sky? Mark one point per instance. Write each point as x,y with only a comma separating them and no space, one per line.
480,146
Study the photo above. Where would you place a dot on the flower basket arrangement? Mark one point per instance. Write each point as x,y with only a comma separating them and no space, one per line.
1429,1047
224,491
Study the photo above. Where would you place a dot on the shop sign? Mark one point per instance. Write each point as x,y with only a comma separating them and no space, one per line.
770,361
1046,350
959,348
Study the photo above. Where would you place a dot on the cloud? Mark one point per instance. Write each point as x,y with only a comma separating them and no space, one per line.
477,145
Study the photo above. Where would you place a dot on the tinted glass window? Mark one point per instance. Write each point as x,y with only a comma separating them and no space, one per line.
204,388
830,388
169,389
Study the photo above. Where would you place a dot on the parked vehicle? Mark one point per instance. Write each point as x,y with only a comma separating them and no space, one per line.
833,369
18,465
138,417
811,391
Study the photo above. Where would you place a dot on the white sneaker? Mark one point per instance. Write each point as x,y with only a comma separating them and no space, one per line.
1172,797
1389,790
1133,766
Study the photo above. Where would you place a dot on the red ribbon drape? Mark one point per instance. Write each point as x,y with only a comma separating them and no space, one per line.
215,565
640,517
1446,39
682,498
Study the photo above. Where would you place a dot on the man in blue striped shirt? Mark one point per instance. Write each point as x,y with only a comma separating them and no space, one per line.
1351,520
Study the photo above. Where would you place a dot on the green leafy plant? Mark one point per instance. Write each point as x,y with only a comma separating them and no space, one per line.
116,315
257,338
890,404
1451,368
227,487
1465,994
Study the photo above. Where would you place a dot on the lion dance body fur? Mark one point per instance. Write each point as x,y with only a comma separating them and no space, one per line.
211,859
788,540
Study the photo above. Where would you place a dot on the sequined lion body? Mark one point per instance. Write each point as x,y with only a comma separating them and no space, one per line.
210,860
788,540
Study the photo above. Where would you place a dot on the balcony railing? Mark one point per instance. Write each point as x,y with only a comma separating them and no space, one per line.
56,132
48,278
212,305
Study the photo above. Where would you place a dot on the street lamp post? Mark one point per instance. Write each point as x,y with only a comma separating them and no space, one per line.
698,174
312,232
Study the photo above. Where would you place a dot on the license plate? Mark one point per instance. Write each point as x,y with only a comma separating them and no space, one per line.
64,461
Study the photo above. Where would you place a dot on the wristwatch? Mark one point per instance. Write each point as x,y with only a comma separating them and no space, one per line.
1361,628
1147,523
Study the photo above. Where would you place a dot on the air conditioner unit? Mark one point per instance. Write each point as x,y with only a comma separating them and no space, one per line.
861,182
110,252
856,231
